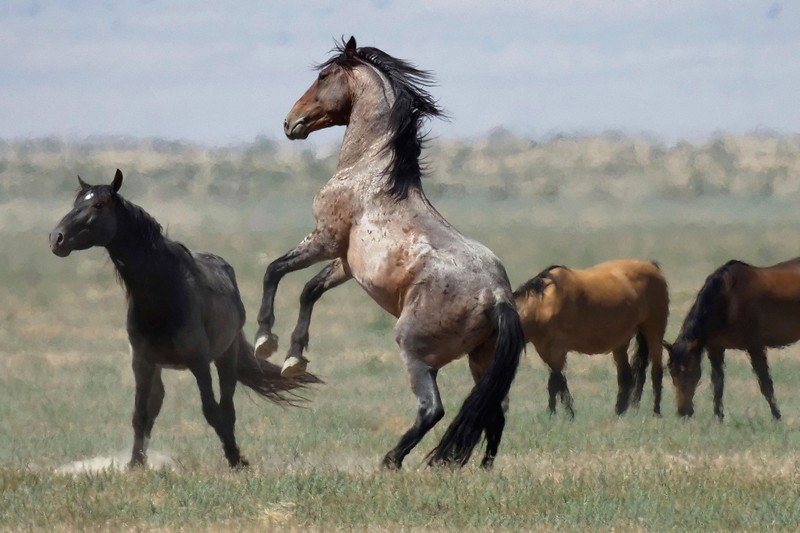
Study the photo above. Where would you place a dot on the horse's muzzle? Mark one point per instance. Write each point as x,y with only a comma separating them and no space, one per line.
57,244
296,129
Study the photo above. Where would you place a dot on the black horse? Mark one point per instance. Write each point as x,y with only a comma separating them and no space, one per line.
184,312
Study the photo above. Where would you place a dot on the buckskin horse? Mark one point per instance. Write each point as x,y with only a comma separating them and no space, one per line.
184,311
450,294
739,307
598,310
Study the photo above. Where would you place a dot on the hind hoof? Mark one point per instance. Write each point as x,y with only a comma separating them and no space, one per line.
266,345
293,367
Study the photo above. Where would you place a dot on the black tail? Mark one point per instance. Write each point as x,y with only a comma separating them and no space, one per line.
265,378
640,360
485,401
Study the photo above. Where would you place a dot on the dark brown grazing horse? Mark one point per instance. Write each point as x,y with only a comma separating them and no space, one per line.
450,294
739,307
598,310
184,311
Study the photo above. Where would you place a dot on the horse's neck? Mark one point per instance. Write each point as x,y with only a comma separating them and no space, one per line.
147,269
365,152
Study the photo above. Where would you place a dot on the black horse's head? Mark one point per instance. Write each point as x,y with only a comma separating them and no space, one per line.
684,367
92,221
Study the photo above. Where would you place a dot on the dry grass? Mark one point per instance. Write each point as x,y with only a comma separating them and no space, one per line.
66,392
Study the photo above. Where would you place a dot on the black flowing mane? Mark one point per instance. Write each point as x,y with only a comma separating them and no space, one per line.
412,105
538,283
708,313
152,270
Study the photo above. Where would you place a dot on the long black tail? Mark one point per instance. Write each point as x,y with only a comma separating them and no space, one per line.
480,408
640,360
265,378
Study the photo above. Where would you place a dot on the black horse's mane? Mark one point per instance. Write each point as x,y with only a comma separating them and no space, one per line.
154,277
145,226
412,105
538,283
708,313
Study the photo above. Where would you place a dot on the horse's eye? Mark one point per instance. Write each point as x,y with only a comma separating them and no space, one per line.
98,205
323,74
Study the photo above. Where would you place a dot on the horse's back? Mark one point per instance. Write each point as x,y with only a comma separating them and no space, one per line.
763,304
622,283
597,309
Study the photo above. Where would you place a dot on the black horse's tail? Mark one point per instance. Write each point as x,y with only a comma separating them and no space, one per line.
484,404
265,378
640,360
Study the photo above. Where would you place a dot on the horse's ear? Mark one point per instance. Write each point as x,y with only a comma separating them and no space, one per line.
350,47
83,184
117,183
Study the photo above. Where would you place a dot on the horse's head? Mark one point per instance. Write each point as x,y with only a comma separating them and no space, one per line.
92,221
327,102
684,367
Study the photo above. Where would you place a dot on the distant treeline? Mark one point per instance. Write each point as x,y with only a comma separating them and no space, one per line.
501,164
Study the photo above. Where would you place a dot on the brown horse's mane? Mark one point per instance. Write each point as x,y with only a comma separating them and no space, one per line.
413,103
538,283
709,311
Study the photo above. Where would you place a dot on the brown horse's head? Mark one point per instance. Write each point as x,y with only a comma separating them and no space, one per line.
684,367
92,220
327,102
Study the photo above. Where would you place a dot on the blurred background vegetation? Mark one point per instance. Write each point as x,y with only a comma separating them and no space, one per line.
501,164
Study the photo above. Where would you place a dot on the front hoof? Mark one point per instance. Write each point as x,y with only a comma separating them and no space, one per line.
241,464
391,463
294,367
266,345
136,464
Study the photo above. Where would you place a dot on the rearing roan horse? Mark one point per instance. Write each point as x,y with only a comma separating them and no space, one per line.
450,294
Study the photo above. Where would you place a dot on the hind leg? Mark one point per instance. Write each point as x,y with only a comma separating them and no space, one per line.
624,379
226,371
758,359
639,367
333,275
655,356
213,413
429,411
557,387
479,362
716,356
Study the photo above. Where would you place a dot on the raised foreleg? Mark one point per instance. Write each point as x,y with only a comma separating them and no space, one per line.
333,275
314,248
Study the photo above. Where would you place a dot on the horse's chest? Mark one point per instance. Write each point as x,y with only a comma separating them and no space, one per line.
384,264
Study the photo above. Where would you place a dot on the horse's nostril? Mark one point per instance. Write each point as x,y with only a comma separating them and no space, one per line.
59,238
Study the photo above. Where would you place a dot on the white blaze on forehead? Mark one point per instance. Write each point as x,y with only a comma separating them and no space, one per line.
89,196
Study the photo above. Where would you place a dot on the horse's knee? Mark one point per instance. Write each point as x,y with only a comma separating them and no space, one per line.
430,416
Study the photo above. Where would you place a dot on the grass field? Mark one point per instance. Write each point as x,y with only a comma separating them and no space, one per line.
66,392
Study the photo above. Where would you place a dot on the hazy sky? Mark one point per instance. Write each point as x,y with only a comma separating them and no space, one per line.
216,71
